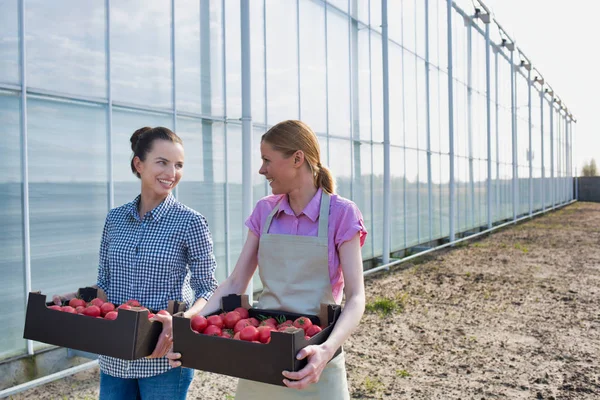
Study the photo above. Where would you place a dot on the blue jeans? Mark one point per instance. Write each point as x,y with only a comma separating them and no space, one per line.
172,384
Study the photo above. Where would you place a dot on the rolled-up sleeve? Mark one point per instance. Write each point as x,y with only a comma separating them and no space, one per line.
201,259
103,281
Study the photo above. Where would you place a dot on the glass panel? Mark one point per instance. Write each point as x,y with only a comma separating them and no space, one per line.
68,199
199,55
340,164
338,74
436,205
9,42
313,74
257,60
364,85
11,234
445,194
376,87
412,205
233,60
395,93
282,61
67,43
125,122
394,14
377,199
341,4
237,230
376,14
260,186
421,105
203,184
397,222
408,25
362,198
141,52
410,98
424,234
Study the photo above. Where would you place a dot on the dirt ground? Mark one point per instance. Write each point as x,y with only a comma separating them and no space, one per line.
515,315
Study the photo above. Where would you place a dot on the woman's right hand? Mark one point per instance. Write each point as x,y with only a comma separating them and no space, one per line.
59,298
174,359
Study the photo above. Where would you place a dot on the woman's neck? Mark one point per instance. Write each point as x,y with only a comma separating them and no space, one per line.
299,198
148,202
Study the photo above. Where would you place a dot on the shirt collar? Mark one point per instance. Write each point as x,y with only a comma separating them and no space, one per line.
311,210
157,213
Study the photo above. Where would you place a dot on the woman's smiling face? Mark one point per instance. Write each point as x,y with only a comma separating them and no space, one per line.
279,170
162,169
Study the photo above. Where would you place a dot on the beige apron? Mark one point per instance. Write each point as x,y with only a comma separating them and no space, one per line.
295,276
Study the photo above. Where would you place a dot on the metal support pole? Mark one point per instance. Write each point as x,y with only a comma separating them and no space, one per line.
450,117
109,114
543,156
529,85
500,215
470,118
488,107
428,120
25,162
515,182
568,181
552,185
246,120
386,135
173,79
228,268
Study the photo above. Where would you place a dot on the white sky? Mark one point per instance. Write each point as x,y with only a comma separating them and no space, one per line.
560,39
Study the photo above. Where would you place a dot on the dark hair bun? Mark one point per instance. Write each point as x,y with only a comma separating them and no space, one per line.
135,138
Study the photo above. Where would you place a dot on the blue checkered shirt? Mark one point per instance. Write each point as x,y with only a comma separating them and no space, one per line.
168,255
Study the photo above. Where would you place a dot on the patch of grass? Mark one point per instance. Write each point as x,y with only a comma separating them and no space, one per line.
521,247
402,373
387,305
468,274
372,385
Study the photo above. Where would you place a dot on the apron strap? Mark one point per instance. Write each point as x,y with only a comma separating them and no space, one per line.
324,215
267,224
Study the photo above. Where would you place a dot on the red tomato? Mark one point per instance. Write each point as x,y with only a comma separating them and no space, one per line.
249,334
269,322
76,303
232,318
97,302
55,308
213,330
133,303
285,324
227,333
125,306
303,323
150,315
215,320
241,324
111,315
164,312
264,333
106,308
199,323
243,312
236,336
68,309
92,311
254,322
80,309
313,330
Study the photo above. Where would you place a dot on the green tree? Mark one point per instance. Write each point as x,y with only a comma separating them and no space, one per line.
589,168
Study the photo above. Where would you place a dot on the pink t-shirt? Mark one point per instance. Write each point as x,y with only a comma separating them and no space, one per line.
345,221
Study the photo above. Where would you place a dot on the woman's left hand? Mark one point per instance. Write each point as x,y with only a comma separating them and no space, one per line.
165,340
318,357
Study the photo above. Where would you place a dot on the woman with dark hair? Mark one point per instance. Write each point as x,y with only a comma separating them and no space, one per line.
154,249
305,241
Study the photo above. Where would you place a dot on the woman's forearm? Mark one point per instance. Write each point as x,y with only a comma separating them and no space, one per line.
346,324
